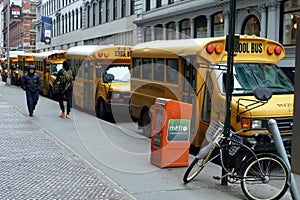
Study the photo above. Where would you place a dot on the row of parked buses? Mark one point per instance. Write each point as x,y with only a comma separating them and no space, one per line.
188,70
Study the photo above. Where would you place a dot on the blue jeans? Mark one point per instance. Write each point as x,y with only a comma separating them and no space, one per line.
32,99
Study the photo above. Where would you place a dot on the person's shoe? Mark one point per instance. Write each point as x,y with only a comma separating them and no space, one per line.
62,114
68,116
30,115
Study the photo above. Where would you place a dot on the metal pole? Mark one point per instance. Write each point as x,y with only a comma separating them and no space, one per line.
281,150
229,88
8,80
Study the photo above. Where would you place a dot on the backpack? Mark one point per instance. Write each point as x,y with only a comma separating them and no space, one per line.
67,77
66,80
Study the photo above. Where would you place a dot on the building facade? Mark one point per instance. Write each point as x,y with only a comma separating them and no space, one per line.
22,33
176,19
81,22
128,22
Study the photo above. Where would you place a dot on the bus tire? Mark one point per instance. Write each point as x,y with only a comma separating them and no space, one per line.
101,110
146,123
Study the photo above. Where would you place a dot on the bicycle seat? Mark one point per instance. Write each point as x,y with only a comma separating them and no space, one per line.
262,137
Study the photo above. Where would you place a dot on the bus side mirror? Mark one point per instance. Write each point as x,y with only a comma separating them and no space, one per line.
263,93
108,78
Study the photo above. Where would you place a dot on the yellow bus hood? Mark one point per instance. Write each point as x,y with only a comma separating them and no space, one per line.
120,86
278,106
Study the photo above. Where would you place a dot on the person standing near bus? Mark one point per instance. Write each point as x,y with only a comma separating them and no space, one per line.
30,83
64,78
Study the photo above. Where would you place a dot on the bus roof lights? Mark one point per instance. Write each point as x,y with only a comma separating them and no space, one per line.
100,54
270,50
218,49
106,54
210,49
278,50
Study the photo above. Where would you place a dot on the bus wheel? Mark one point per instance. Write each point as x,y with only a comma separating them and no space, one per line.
146,123
100,110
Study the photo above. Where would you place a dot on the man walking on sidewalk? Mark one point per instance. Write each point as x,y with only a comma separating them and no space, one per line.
30,83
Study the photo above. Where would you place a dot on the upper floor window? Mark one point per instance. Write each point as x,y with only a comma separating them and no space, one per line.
132,7
170,1
115,9
158,3
107,10
94,14
123,14
148,5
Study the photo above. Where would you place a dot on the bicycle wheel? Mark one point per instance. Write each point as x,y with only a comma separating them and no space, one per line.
265,178
198,163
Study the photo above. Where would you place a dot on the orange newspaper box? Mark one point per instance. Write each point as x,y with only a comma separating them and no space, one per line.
170,133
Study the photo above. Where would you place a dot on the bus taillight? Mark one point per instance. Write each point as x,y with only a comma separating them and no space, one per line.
270,50
278,50
218,49
210,48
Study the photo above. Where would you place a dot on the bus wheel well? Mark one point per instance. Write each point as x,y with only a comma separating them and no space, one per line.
100,108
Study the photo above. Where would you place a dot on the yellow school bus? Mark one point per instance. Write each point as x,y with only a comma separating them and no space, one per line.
24,60
194,71
47,65
14,70
3,69
102,81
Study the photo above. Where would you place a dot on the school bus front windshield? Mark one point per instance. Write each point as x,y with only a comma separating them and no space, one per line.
121,73
249,76
55,68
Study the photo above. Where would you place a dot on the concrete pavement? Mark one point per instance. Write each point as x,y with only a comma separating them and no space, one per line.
115,155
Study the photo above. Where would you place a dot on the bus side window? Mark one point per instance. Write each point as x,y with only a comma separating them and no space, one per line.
147,68
172,70
159,69
86,70
136,71
91,71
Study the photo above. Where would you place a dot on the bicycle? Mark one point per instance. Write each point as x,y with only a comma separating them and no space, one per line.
251,169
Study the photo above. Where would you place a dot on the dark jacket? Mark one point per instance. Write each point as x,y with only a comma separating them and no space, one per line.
31,82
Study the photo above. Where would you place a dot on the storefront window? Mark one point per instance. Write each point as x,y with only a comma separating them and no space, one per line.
218,25
200,27
291,12
171,31
158,29
251,26
148,34
185,29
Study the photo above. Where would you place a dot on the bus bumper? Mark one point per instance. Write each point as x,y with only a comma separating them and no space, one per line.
270,147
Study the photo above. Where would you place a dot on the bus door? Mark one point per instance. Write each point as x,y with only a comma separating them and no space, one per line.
189,87
89,85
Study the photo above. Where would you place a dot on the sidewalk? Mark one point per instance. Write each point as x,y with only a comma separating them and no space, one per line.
47,157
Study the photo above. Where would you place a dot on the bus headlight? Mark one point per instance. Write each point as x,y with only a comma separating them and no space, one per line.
256,124
116,95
